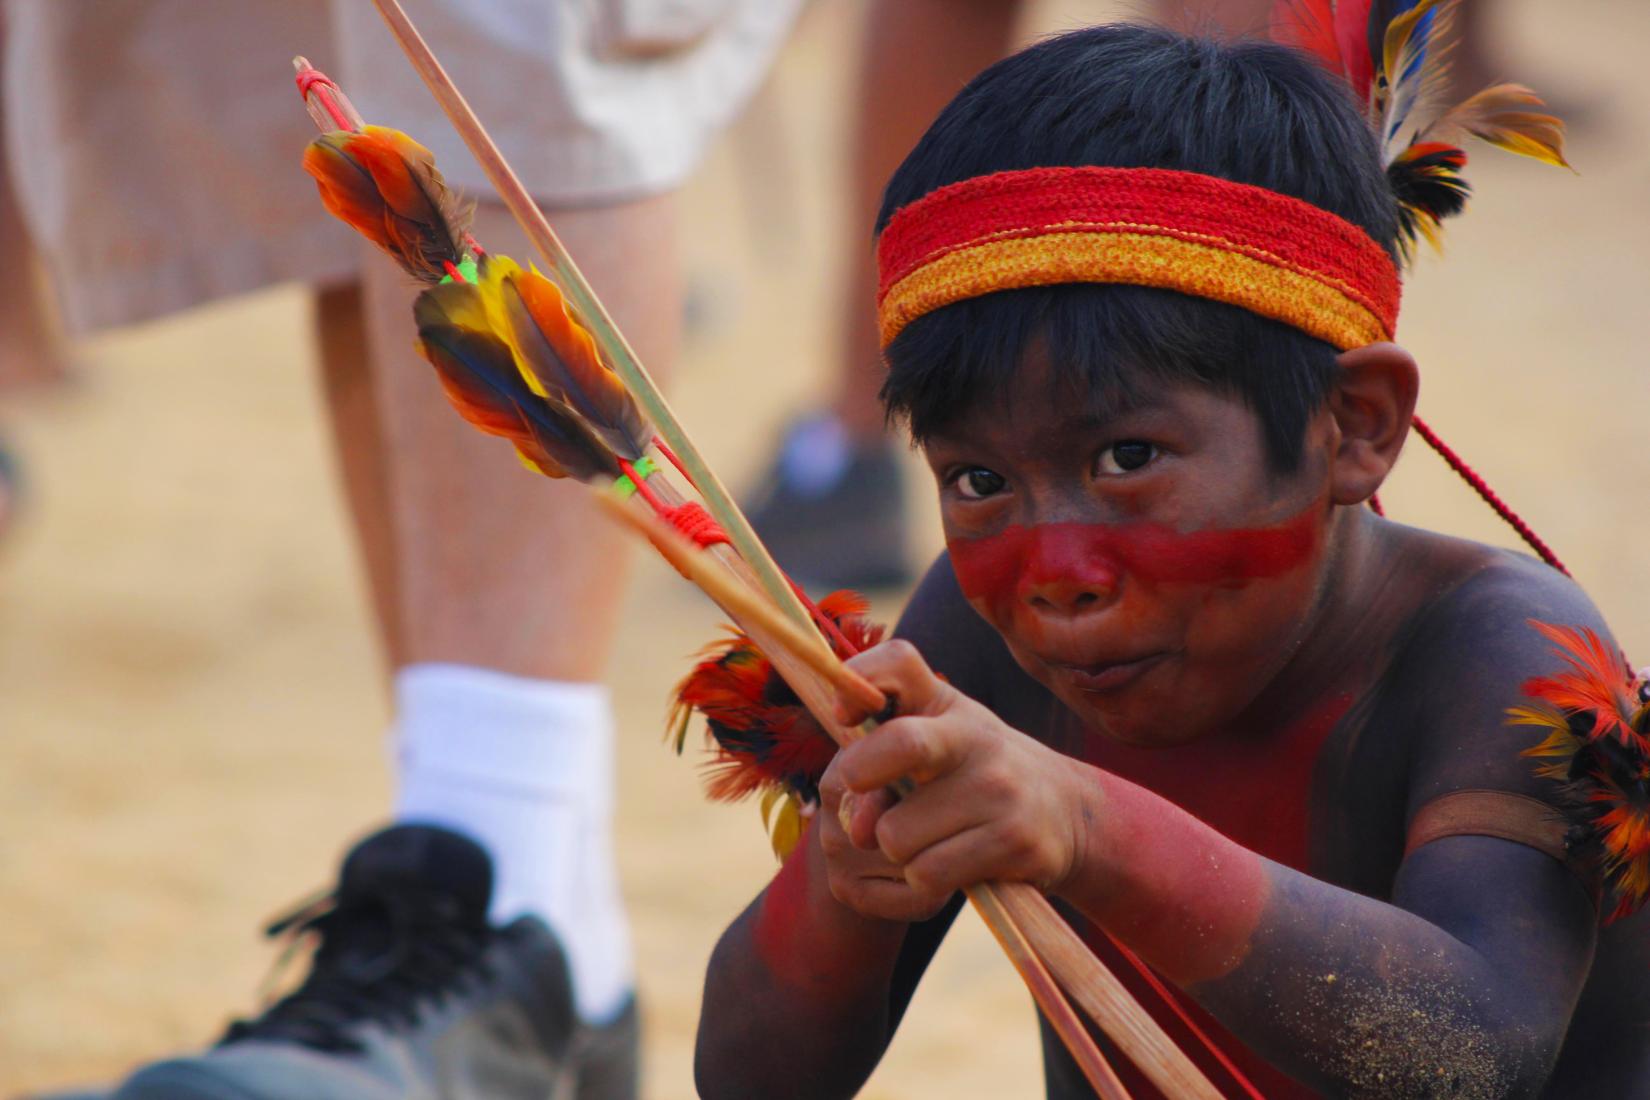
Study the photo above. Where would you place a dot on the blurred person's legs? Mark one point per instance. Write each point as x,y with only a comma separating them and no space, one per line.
32,349
506,594
831,506
496,592
497,595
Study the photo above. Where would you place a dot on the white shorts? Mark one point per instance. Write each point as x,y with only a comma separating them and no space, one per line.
155,144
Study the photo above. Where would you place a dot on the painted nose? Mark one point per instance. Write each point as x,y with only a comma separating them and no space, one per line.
1069,570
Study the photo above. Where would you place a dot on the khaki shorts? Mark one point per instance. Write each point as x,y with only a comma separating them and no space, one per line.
155,143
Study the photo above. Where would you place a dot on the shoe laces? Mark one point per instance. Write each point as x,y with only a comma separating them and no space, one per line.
385,958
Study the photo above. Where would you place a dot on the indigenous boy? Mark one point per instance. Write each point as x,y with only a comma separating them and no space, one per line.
1192,687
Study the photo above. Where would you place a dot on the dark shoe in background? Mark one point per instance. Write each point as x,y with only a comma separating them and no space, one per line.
412,994
832,511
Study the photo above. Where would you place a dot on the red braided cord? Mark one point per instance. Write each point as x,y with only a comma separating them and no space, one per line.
1169,998
1493,499
664,449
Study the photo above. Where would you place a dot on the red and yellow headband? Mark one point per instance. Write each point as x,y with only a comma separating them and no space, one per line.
1271,254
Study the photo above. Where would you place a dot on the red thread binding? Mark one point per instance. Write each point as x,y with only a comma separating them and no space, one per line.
697,524
314,80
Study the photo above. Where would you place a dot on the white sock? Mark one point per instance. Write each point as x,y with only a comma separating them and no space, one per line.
525,767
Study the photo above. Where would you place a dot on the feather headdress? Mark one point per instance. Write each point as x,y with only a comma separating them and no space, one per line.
1394,55
1596,715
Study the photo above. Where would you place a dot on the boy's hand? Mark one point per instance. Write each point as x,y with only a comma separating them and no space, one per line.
990,804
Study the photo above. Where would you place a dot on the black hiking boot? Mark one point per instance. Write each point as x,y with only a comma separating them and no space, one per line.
412,994
849,532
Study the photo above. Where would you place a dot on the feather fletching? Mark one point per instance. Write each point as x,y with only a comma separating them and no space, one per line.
559,358
479,374
1426,180
385,185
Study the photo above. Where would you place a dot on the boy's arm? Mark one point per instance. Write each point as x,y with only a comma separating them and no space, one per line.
1461,984
1471,972
803,994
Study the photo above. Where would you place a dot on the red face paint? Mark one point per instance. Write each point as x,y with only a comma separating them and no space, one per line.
1183,630
1009,568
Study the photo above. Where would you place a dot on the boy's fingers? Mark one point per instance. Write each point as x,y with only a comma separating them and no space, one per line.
913,748
887,898
925,818
866,811
897,669
975,855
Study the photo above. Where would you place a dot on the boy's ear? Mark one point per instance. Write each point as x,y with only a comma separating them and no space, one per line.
1372,403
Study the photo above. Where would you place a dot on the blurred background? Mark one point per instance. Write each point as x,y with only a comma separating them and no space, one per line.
190,713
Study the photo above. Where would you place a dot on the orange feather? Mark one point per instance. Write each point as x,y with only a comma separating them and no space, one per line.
385,185
479,375
559,357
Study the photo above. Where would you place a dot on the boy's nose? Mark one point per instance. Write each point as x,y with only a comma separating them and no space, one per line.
1069,569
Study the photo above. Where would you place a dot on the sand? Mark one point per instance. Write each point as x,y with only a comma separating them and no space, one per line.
191,705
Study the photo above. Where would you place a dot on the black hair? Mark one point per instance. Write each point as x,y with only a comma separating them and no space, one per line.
1130,96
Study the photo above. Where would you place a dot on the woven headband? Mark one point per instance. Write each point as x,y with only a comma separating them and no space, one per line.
1246,246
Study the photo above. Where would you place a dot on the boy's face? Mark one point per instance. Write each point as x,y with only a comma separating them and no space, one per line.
1148,567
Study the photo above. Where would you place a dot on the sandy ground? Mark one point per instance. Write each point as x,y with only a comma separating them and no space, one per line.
191,709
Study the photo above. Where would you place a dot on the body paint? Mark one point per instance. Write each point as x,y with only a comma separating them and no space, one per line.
1257,791
781,920
809,941
1189,899
1002,570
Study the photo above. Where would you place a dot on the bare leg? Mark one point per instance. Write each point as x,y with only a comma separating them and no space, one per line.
352,410
916,55
492,566
32,350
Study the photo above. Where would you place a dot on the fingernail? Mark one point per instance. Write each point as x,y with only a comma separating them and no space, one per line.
845,811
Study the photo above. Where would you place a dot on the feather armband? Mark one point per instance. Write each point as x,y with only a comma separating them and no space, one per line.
1596,715
763,739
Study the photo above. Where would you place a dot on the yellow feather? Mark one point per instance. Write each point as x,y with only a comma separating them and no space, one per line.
787,826
1537,716
1502,116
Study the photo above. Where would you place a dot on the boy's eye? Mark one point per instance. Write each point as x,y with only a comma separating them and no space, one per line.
1125,456
977,483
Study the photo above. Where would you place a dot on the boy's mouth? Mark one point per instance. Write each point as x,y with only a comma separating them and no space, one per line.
1105,677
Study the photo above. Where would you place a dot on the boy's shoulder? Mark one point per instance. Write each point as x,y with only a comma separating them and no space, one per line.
1463,658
